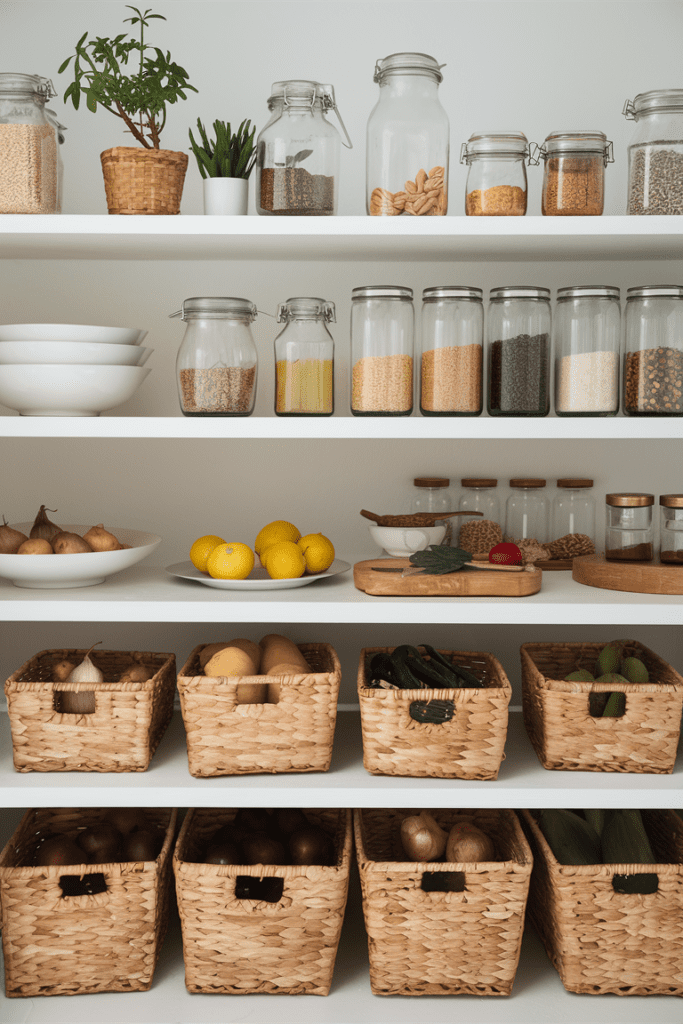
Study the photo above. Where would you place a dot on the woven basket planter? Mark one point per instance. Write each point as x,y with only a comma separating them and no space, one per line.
138,180
601,940
122,733
429,942
470,746
56,944
240,945
565,735
294,735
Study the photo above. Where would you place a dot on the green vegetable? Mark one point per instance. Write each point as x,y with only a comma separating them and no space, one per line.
571,838
625,841
230,156
615,706
438,560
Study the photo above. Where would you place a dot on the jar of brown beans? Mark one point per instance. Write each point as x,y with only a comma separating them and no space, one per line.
574,173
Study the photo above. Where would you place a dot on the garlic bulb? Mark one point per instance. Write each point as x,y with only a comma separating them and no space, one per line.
86,672
42,527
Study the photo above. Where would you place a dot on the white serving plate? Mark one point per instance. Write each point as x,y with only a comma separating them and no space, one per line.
72,332
258,578
57,572
68,390
80,353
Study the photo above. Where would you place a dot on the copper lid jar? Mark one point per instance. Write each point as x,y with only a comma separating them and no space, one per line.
671,528
629,535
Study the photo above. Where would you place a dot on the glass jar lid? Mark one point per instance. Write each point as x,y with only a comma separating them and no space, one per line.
452,292
671,500
41,88
407,64
649,291
589,291
306,308
527,481
561,143
301,93
655,101
214,307
575,481
472,481
431,481
627,500
495,144
519,292
382,291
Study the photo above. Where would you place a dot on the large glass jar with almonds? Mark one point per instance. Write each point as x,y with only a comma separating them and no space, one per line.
407,140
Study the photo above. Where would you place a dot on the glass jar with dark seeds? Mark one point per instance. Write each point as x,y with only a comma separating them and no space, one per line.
518,340
655,153
653,356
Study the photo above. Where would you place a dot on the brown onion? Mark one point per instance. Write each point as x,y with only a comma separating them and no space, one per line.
10,539
42,527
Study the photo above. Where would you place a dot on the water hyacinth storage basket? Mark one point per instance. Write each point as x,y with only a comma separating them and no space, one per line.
225,737
120,735
143,181
58,944
565,735
236,944
601,940
469,746
422,942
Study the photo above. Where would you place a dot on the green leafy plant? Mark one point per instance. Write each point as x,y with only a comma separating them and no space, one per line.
140,99
437,559
230,156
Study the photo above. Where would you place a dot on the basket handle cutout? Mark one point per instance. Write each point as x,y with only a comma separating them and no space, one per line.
71,702
268,890
82,885
645,883
607,705
443,881
432,712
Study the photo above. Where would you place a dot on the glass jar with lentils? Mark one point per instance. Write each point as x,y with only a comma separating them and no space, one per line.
518,337
653,359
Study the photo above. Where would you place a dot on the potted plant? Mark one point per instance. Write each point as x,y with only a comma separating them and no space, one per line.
137,180
225,166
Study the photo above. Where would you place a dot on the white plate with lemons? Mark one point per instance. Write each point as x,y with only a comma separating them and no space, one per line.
258,578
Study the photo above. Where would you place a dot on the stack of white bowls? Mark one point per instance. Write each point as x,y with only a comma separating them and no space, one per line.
69,369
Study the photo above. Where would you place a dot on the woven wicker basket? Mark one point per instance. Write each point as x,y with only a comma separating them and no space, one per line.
426,942
605,941
560,726
138,180
294,735
71,945
119,736
237,946
470,746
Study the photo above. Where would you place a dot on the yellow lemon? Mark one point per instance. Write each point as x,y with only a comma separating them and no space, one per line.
274,533
318,551
231,561
202,548
284,561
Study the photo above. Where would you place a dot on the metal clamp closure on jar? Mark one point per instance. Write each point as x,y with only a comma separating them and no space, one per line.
498,144
407,64
655,101
306,309
308,94
576,143
216,308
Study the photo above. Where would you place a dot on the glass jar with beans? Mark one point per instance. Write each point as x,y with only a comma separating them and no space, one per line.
655,153
629,535
653,358
480,534
452,351
382,328
587,328
574,173
496,176
671,528
572,519
518,337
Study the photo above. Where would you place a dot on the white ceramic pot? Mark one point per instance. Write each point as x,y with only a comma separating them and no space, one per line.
225,196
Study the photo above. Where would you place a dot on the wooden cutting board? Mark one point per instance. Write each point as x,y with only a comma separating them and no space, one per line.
464,583
635,577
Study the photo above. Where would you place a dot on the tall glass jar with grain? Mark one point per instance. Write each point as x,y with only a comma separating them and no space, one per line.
653,357
382,327
587,328
518,333
574,173
452,351
30,136
407,140
496,173
655,153
304,358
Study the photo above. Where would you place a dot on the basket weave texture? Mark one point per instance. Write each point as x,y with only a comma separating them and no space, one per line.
470,746
120,736
430,943
73,945
294,735
138,180
600,940
565,735
237,946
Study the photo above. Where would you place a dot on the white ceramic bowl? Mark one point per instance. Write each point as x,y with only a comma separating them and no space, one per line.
56,572
68,390
80,353
400,542
72,332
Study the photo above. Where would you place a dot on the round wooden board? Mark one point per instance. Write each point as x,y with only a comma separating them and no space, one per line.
635,577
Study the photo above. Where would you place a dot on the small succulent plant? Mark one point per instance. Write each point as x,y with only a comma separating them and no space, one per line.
231,155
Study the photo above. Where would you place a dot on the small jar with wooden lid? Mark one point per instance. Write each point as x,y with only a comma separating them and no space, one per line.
433,494
629,534
527,512
671,528
572,524
480,534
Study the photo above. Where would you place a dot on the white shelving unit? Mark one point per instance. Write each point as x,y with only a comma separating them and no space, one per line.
148,594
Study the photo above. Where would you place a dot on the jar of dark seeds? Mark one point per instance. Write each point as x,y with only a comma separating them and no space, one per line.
653,358
574,173
671,528
655,154
297,153
518,335
628,527
217,363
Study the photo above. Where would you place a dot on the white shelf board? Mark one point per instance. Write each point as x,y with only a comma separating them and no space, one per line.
150,594
416,427
341,238
538,996
522,782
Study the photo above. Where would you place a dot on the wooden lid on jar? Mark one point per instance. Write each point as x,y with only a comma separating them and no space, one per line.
574,481
526,481
630,500
431,481
472,481
671,500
